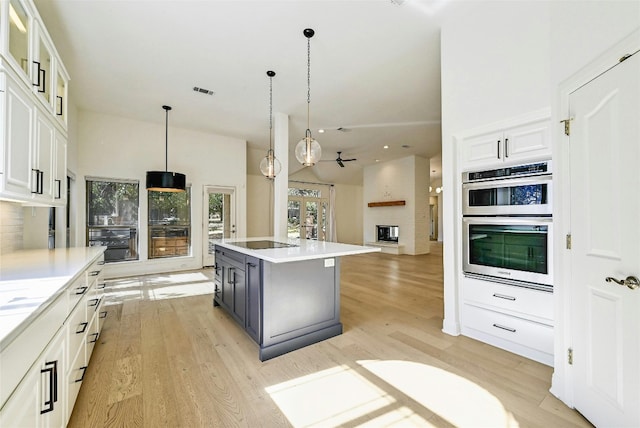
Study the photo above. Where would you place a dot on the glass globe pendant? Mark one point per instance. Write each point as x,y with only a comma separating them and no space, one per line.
308,150
269,165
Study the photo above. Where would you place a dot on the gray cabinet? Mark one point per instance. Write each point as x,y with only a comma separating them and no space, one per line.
281,306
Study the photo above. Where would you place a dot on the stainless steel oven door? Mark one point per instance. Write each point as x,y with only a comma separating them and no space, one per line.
509,248
511,196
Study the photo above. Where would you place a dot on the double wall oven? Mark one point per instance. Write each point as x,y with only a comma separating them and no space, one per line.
507,225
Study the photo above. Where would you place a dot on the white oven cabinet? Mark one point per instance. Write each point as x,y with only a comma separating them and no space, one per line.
43,366
517,319
526,142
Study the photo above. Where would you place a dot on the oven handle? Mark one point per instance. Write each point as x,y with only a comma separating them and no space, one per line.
533,221
507,182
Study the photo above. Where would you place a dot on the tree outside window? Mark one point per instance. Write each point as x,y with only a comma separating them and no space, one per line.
169,224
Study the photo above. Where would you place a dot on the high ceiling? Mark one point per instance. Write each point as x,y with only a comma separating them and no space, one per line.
375,70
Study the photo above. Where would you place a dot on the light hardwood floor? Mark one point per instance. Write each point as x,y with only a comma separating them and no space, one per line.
168,358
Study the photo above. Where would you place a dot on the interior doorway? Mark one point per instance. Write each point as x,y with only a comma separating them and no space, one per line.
219,219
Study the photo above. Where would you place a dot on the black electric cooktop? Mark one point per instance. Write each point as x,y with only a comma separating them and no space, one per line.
261,245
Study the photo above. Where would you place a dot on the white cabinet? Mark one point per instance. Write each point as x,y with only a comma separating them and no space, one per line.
17,135
514,318
33,109
43,367
529,141
40,399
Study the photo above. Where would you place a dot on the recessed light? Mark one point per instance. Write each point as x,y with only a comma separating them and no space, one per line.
377,160
321,131
385,147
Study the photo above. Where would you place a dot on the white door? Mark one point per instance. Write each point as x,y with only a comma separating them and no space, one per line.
605,229
219,219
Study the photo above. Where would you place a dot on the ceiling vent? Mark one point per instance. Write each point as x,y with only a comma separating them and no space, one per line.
202,90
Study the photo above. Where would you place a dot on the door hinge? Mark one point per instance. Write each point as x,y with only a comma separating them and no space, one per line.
570,356
568,241
567,126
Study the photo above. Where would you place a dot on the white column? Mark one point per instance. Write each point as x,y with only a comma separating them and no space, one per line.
281,182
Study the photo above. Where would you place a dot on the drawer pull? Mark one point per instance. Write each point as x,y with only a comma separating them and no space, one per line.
81,290
84,327
101,286
84,370
512,330
94,302
94,273
100,263
103,314
504,296
53,385
96,335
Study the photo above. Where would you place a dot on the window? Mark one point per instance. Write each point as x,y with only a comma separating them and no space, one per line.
112,217
169,224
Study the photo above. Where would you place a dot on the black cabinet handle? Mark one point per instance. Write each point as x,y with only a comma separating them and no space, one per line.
506,147
37,75
37,180
103,314
498,149
41,182
59,193
81,290
101,262
101,286
51,368
44,81
94,273
96,335
84,327
84,370
59,112
94,302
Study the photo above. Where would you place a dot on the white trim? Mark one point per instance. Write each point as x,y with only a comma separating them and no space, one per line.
562,379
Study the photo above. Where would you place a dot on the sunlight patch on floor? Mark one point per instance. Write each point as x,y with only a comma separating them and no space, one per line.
454,398
159,287
333,397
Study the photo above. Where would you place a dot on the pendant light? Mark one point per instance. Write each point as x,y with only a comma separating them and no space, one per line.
270,166
308,150
166,181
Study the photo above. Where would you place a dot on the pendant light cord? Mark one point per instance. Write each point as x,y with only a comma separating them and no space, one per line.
270,110
308,81
166,140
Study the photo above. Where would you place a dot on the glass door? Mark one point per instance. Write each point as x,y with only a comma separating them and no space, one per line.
308,215
219,216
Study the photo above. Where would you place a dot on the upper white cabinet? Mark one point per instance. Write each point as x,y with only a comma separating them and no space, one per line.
525,142
33,109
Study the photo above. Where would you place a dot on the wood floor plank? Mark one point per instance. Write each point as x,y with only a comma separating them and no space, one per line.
169,359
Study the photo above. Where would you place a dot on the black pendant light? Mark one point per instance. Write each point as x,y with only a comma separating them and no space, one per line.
270,166
166,181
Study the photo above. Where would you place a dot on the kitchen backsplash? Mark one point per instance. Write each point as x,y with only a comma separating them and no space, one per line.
11,227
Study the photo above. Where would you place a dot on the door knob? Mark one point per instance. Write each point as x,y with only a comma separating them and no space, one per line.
632,282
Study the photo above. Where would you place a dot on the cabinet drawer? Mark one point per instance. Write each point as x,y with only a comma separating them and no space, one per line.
77,291
527,333
519,301
75,375
78,327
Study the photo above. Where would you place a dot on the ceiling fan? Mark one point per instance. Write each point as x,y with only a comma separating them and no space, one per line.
340,160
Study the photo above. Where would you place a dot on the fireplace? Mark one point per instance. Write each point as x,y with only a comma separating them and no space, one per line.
387,233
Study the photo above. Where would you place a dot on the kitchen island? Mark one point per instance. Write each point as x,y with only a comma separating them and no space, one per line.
284,293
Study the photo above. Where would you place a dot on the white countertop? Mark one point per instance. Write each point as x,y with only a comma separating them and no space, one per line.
32,279
305,249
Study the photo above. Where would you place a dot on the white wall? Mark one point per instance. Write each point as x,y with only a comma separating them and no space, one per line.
402,179
116,147
259,206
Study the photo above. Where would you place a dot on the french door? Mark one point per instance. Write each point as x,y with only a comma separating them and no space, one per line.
219,219
605,252
308,218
